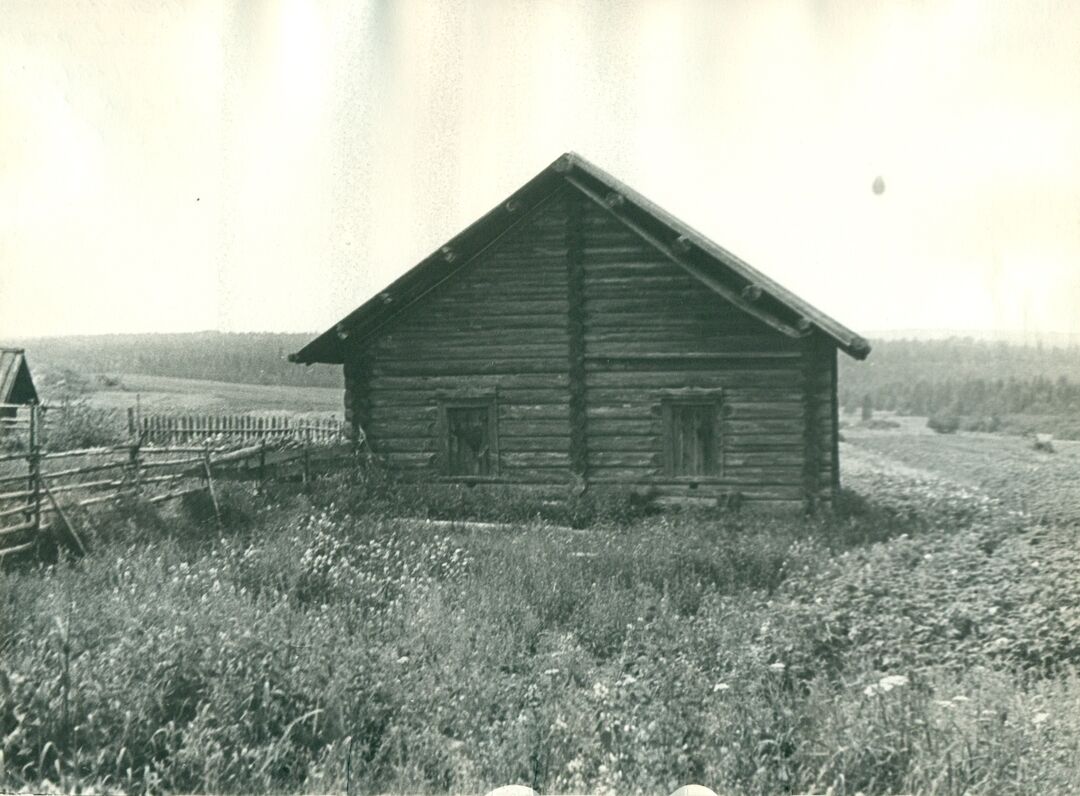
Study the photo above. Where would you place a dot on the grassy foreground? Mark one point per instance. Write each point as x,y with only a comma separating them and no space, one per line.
928,650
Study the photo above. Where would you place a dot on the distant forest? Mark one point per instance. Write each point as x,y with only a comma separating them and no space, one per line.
964,378
250,358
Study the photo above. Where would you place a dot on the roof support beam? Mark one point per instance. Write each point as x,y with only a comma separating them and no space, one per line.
678,253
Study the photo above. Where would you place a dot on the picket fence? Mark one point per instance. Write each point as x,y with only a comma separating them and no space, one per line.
43,492
174,429
171,428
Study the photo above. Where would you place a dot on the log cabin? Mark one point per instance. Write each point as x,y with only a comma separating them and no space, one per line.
580,337
16,385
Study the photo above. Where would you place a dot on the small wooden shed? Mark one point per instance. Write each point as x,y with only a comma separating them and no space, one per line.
579,335
16,385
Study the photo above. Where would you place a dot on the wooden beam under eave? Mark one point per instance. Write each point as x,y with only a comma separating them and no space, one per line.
733,296
751,292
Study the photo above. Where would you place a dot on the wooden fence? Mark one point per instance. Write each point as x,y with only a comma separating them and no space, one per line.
178,429
172,429
43,491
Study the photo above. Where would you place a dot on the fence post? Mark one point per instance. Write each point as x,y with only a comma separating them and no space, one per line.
43,427
34,462
305,472
135,463
210,486
262,465
73,538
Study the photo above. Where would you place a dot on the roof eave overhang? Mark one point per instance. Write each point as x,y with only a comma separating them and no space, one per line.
859,348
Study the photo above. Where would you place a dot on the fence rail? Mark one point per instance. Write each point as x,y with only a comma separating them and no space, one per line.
41,490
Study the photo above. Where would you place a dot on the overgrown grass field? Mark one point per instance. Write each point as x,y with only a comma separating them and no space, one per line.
922,642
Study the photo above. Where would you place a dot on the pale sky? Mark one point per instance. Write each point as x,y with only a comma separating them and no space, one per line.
178,166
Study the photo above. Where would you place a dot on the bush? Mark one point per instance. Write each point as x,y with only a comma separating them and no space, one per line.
944,424
1044,443
986,424
75,424
880,424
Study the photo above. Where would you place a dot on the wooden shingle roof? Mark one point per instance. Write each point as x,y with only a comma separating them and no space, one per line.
16,385
718,269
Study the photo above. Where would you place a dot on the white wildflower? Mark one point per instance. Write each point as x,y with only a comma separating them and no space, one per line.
889,682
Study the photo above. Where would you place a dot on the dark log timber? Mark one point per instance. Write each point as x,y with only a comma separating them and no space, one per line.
575,282
579,335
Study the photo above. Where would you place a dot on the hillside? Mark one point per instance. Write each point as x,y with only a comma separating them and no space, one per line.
249,358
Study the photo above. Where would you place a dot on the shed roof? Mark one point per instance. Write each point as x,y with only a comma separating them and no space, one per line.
16,385
714,266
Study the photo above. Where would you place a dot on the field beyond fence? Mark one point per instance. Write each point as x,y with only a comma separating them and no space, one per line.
166,458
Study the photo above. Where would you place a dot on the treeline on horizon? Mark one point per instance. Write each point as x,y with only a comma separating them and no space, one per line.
242,357
960,376
963,378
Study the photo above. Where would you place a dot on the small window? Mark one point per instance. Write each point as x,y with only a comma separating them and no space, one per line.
692,437
469,438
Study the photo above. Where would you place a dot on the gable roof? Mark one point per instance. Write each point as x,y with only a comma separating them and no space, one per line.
715,267
16,386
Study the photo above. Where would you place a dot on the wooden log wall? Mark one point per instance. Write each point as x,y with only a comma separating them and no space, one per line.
650,328
358,395
575,277
580,328
821,465
499,326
